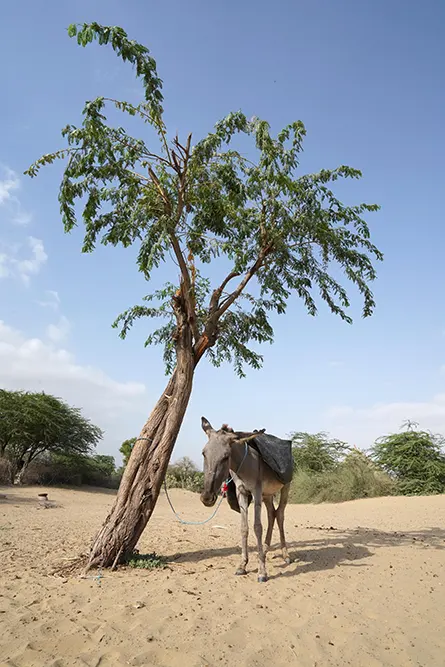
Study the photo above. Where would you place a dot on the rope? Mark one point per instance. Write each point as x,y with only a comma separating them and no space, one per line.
192,523
200,523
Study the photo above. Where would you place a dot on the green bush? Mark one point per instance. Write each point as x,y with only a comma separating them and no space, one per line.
74,470
414,459
185,475
126,448
316,452
356,476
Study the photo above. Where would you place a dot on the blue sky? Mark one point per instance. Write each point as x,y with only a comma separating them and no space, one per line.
367,80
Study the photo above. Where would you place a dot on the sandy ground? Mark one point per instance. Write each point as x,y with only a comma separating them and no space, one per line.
367,587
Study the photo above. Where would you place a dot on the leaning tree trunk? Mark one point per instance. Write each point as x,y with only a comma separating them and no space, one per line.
145,471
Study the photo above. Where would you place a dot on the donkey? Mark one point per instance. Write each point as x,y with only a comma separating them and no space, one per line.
227,453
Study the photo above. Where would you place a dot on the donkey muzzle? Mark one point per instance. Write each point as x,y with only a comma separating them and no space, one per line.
208,499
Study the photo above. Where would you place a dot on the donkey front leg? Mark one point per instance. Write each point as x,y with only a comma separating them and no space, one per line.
258,498
243,505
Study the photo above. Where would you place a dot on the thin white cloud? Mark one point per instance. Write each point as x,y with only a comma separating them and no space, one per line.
5,271
29,267
59,332
120,408
52,301
362,426
14,263
335,364
10,184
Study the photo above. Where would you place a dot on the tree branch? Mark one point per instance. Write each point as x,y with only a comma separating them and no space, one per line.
164,197
187,287
225,305
214,301
208,337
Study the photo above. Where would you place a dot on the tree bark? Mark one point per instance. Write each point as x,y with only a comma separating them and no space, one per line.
19,475
146,468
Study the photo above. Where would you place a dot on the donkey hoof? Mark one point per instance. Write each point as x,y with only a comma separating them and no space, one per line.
262,578
240,572
287,561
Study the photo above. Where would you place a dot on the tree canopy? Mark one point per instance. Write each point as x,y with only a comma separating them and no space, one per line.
32,424
202,201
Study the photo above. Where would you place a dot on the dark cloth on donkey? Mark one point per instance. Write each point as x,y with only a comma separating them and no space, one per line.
276,453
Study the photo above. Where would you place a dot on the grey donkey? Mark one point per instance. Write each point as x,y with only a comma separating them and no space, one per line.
228,454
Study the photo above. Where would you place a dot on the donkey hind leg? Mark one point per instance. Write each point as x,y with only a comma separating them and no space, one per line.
258,498
280,521
268,501
243,501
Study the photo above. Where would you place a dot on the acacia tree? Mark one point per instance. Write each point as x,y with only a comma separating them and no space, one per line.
199,203
414,458
33,424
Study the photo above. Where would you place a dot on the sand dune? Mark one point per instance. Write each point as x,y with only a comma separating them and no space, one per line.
367,588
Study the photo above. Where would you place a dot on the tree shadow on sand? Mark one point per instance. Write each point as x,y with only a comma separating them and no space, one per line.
335,547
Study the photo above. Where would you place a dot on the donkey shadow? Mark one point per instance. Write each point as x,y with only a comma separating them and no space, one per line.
340,548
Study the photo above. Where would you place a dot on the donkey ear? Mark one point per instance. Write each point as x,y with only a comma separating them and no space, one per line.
206,425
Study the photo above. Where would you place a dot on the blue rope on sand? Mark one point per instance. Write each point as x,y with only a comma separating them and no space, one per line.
98,577
193,523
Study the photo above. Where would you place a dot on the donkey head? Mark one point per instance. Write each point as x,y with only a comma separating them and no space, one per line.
216,455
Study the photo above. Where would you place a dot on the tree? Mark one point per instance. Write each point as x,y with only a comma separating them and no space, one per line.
184,474
32,424
316,452
414,458
126,449
95,470
254,218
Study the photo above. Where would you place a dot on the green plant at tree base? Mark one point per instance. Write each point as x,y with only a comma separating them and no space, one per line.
150,561
258,222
